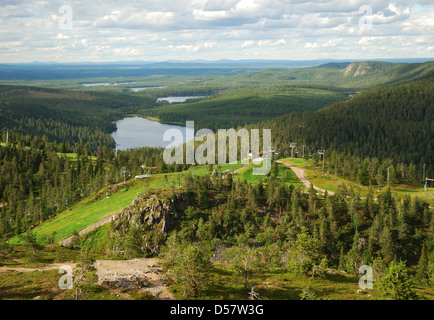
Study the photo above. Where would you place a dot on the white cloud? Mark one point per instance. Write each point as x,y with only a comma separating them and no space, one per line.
311,45
247,44
10,44
125,51
62,36
209,15
166,29
271,43
193,47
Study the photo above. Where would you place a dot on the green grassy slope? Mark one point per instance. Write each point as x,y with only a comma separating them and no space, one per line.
88,212
94,209
332,183
110,201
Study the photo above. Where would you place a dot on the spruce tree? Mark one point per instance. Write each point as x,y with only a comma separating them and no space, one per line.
397,283
422,267
387,246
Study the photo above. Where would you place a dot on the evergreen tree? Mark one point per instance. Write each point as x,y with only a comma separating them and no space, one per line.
191,268
32,243
246,262
387,246
397,283
85,275
422,267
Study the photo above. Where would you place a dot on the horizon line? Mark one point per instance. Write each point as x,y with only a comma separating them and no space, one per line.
427,59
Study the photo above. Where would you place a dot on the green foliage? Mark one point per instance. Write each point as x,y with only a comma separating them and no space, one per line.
422,272
388,123
85,276
308,293
190,266
246,261
37,182
5,246
232,110
397,283
355,75
262,224
308,258
30,240
65,116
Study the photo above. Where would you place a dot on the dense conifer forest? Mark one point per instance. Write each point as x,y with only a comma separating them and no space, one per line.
57,156
391,123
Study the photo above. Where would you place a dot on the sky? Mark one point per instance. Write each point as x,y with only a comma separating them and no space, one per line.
114,30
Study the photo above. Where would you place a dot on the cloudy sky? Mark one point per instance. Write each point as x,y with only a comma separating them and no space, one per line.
116,30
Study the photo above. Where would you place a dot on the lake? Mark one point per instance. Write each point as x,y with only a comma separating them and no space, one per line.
145,88
135,132
177,99
105,84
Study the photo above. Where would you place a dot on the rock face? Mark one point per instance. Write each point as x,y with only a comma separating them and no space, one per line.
151,218
152,212
359,69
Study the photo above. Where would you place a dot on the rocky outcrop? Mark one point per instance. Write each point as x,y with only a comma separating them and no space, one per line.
145,213
359,69
151,218
152,212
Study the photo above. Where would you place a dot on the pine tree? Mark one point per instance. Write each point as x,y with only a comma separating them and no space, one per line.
422,267
397,283
84,275
323,233
190,268
32,243
342,261
387,246
353,257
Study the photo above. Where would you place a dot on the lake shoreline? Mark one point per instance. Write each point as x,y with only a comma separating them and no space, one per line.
153,119
136,131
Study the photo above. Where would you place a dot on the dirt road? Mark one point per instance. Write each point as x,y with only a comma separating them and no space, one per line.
302,177
242,168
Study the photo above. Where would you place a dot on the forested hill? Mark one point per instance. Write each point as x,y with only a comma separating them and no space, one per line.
394,122
65,116
354,75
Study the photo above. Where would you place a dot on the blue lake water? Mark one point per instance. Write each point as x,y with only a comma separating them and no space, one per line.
135,132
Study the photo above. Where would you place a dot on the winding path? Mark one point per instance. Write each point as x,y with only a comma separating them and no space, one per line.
302,177
54,266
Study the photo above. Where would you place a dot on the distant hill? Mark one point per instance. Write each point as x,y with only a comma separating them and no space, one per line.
354,75
135,69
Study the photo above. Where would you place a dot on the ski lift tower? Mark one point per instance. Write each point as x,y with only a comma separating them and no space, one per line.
292,145
271,152
116,151
323,161
426,182
124,172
